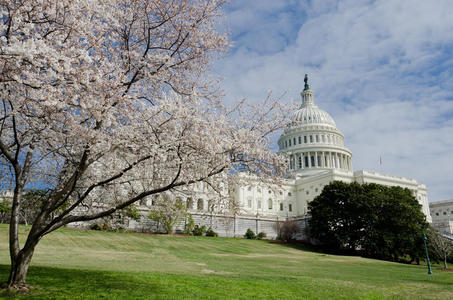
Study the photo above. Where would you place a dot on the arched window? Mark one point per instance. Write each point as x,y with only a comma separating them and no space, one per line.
189,203
200,204
258,202
270,203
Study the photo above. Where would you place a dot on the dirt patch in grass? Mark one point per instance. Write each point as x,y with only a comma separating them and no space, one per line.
207,271
257,255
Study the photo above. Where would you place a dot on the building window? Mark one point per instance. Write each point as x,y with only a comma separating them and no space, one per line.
281,193
286,144
307,192
270,203
306,162
445,213
259,190
290,207
316,189
319,161
300,161
189,203
294,141
317,138
270,192
289,142
437,214
281,206
312,161
211,205
323,138
200,204
311,139
300,140
258,204
305,139
289,194
249,188
249,202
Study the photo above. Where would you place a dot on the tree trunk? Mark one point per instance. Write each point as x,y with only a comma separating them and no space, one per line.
445,261
19,268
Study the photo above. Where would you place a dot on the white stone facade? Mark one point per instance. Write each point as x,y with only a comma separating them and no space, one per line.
442,215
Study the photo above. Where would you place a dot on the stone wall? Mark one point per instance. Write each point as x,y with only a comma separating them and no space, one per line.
224,225
227,225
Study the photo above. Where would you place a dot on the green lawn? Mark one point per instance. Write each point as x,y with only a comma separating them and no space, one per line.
71,264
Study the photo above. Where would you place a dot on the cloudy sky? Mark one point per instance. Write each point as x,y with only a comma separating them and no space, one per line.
382,69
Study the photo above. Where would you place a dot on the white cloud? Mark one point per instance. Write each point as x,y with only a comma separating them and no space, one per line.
382,69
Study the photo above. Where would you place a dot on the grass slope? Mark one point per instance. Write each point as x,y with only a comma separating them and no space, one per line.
71,264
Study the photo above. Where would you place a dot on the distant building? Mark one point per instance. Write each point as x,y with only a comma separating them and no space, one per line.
442,215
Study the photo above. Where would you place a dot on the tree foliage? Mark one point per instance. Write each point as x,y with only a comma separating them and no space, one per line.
5,210
107,102
383,222
168,211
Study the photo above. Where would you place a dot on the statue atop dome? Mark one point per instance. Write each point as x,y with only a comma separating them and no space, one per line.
306,87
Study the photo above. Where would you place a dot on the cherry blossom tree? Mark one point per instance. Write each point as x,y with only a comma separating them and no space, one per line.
104,103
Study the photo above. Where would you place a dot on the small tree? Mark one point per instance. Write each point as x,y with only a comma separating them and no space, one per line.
250,234
286,230
5,210
168,211
438,245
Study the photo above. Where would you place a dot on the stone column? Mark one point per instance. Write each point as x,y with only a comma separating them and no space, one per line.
337,161
316,159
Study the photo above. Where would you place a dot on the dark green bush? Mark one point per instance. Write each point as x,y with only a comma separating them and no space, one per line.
261,235
95,226
199,230
190,226
250,234
211,232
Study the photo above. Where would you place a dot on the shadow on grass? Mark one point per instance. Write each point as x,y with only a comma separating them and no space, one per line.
58,283
298,246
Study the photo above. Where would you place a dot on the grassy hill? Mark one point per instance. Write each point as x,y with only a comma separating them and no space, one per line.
72,264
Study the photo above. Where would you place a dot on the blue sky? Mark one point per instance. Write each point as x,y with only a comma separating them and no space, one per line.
382,69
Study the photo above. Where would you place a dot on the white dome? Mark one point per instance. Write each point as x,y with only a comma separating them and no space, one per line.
311,114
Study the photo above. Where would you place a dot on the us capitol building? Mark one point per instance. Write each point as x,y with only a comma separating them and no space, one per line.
317,155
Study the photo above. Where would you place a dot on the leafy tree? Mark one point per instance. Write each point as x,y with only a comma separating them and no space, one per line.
5,210
250,234
168,211
383,222
339,216
107,102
